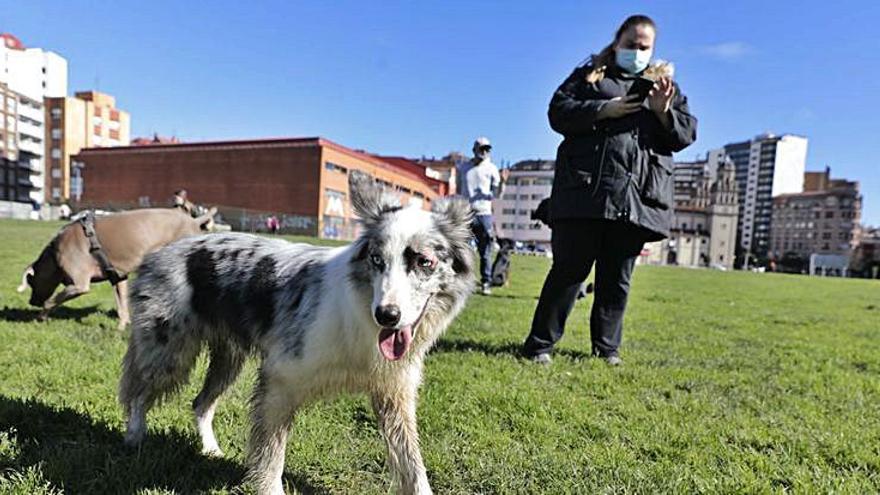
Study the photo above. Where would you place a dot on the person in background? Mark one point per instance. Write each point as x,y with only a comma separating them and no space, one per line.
480,182
612,186
272,224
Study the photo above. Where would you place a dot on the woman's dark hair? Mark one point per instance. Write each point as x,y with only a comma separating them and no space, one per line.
606,56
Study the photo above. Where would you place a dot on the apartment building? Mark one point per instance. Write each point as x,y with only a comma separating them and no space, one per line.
823,219
27,76
530,182
766,166
86,120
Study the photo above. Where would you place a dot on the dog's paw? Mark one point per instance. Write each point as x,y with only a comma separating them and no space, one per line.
212,451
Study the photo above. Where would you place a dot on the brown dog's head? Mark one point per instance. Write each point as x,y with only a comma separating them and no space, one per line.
43,276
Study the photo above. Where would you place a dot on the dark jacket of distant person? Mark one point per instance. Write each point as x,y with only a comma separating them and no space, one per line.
618,169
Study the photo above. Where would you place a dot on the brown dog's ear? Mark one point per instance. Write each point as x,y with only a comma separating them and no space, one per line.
368,199
29,272
206,221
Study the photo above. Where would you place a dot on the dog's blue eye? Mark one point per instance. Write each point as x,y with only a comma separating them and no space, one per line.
376,260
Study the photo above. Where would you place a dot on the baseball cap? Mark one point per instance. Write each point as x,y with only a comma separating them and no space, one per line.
481,142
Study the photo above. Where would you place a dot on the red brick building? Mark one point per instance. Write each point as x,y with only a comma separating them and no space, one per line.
304,181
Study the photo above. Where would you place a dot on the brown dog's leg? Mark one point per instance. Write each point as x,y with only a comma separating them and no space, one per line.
121,293
69,292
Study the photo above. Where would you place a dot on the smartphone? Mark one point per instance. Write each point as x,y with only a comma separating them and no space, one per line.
641,87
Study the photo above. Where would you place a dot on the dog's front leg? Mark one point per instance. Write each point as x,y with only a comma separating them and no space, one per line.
272,409
395,405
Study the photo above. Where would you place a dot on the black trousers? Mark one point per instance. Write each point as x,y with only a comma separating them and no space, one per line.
613,247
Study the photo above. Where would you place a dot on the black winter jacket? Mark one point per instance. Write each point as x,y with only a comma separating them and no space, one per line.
617,169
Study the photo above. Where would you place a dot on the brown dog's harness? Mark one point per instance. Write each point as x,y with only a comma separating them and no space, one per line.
87,221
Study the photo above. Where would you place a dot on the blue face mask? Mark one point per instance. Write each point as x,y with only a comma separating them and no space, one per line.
632,61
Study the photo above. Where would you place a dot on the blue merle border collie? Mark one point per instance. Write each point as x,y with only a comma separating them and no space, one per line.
358,318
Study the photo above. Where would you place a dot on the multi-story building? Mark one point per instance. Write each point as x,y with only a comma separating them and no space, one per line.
443,169
823,219
865,261
302,181
766,166
27,75
703,232
530,182
689,177
89,119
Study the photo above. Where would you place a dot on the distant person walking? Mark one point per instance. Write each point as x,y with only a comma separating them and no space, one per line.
480,182
272,224
613,187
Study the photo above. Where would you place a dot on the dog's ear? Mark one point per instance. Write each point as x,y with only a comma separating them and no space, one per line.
367,198
453,217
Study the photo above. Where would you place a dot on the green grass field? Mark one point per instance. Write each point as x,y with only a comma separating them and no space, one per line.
732,382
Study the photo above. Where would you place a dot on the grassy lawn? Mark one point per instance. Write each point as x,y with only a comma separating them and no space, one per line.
732,382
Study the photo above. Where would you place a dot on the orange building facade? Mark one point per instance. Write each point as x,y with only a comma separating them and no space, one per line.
302,181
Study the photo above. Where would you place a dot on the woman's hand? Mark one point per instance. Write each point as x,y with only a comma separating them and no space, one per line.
660,98
619,107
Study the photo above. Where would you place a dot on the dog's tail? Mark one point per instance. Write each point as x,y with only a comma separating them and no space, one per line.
163,346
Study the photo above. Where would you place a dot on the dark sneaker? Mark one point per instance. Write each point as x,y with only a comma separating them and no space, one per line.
543,359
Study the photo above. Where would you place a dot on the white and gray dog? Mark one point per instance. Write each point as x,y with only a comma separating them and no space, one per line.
324,320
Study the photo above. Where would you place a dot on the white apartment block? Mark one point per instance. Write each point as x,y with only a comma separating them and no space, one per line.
30,74
766,166
530,182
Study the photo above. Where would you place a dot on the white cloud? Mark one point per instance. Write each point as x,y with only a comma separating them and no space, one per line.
729,50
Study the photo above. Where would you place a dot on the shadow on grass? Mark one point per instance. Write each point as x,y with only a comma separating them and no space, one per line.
501,349
81,455
24,315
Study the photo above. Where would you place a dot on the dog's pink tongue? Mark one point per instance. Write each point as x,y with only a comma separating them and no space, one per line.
393,344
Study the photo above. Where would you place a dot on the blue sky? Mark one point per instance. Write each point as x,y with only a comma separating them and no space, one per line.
424,78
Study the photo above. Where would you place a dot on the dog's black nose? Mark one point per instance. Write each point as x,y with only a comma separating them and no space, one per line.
388,315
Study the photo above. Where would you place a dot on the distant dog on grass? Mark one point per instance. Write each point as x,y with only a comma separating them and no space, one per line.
324,321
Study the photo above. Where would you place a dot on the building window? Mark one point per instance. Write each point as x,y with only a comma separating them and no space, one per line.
509,197
523,196
537,197
56,133
56,192
56,173
56,152
332,167
508,211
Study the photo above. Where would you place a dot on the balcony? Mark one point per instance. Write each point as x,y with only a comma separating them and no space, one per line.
31,147
31,130
31,112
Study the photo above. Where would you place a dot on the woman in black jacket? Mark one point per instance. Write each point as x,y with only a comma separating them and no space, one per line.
613,186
